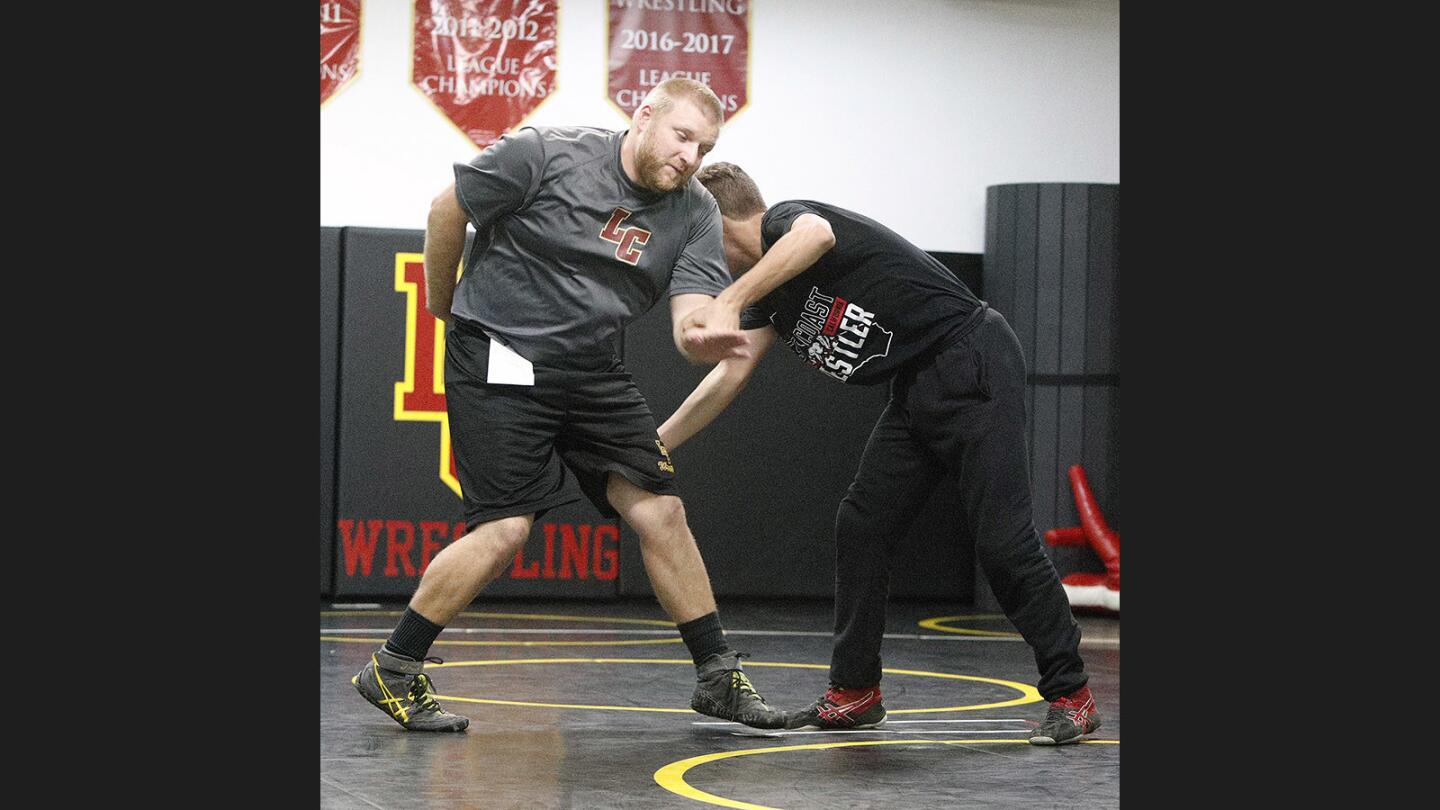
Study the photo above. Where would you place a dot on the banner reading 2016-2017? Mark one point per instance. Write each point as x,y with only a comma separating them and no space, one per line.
655,40
486,64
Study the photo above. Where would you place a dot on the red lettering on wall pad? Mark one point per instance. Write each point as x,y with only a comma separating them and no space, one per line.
585,550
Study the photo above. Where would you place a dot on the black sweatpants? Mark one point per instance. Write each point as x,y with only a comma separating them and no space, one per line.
960,409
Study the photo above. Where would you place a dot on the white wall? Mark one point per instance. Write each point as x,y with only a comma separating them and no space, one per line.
903,110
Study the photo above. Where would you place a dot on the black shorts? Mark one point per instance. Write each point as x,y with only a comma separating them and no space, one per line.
516,446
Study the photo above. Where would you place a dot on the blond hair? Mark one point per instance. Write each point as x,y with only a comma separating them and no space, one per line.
663,96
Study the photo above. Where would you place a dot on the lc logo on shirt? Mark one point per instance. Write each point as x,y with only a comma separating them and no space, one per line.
628,241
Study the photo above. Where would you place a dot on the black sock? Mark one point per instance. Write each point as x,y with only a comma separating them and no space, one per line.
704,636
413,636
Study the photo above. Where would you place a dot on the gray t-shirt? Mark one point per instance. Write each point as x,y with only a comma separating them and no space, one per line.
569,250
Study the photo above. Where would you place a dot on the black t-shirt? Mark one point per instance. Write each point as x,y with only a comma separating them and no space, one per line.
871,303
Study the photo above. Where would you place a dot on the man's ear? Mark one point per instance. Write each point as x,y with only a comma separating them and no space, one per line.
643,114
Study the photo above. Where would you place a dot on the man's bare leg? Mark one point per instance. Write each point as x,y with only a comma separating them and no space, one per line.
672,560
463,568
393,680
682,586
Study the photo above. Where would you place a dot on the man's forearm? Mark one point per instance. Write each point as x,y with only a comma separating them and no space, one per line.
444,247
808,239
709,399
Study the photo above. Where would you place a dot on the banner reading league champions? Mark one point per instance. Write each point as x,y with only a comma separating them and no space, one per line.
486,64
339,44
655,40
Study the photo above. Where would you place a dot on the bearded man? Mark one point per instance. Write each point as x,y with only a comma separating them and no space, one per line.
579,231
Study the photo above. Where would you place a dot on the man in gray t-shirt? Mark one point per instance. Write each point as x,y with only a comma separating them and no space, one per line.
579,231
575,248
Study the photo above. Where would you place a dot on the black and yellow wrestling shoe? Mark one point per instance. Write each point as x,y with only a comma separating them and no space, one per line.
398,687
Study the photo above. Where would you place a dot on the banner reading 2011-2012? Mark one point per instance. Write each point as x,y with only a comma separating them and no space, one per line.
486,64
654,40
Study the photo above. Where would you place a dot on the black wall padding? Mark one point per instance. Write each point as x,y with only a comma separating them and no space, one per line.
390,495
761,484
395,511
1052,268
329,373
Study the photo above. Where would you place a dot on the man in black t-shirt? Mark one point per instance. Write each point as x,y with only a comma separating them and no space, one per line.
862,305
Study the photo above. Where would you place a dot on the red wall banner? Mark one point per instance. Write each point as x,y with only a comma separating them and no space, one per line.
486,64
339,44
654,40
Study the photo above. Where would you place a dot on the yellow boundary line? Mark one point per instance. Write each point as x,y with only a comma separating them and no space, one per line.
672,776
520,643
1028,694
934,623
546,617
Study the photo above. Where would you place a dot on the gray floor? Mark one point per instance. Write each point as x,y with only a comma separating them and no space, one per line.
583,705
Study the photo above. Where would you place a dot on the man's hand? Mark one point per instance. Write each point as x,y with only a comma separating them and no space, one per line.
711,333
710,347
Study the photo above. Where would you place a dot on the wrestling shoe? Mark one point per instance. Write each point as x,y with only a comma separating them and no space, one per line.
841,709
397,687
1068,718
722,690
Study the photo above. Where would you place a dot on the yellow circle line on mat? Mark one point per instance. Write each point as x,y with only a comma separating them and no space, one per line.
565,705
1028,694
545,617
525,643
934,623
672,776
